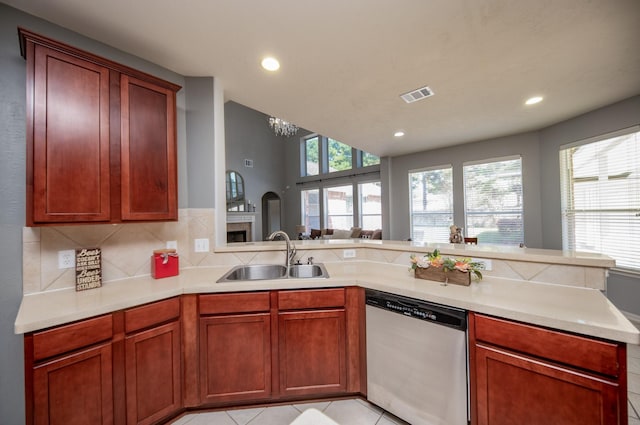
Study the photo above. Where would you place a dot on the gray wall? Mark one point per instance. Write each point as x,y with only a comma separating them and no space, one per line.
525,145
248,136
200,134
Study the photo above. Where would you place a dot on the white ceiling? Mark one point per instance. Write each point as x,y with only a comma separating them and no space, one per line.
344,63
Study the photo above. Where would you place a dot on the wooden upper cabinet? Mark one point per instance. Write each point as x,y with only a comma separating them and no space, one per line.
101,138
69,133
148,151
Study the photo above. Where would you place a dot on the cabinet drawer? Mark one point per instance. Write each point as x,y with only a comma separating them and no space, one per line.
234,303
312,298
151,314
595,355
66,338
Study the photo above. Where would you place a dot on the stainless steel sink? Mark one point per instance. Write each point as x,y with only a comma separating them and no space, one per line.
306,271
255,272
273,271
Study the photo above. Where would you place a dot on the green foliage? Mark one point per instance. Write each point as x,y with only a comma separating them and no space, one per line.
339,155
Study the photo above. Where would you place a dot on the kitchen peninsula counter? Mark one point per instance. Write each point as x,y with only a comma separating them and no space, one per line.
573,309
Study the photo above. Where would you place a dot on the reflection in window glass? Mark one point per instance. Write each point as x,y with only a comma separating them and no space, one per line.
493,201
369,159
339,156
339,207
310,208
431,193
370,205
311,167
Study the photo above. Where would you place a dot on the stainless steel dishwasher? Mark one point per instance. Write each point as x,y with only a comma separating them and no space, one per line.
417,359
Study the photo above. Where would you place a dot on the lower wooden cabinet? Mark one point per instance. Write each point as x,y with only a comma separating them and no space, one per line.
516,389
312,352
235,347
153,379
235,358
529,375
145,364
75,389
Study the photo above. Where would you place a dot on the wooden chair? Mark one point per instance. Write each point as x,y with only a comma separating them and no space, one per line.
472,241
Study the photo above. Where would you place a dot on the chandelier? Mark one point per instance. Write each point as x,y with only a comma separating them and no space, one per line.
282,127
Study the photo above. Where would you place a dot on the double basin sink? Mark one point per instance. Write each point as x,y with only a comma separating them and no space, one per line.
274,271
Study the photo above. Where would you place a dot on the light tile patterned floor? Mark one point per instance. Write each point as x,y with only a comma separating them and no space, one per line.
360,412
633,381
351,412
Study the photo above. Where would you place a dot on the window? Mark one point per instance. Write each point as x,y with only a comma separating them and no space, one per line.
339,207
311,157
493,201
370,205
339,156
600,183
311,208
328,164
431,195
368,159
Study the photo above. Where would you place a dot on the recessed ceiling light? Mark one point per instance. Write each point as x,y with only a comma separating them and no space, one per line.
533,100
398,133
270,64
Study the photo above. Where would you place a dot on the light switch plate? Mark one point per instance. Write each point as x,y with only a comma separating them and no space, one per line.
172,245
66,259
349,253
201,245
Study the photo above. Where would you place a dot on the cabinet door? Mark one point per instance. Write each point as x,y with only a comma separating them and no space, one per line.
514,389
312,352
148,151
68,138
75,390
153,374
235,357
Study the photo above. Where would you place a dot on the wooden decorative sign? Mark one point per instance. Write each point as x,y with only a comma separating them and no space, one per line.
88,268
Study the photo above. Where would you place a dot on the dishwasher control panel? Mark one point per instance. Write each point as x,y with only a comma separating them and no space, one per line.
418,309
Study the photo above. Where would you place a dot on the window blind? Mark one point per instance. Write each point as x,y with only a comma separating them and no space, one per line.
431,195
600,186
493,201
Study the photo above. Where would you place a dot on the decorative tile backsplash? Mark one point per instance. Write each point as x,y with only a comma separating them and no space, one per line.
127,249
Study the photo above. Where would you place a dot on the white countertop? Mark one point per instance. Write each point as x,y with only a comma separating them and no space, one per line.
580,310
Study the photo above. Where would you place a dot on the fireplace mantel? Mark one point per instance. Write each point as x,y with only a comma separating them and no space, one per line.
240,227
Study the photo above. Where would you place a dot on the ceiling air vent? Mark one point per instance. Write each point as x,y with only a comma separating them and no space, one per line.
417,94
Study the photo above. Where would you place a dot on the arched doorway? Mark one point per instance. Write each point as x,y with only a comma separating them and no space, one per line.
271,214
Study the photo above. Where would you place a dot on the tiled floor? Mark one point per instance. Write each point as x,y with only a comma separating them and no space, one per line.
348,412
633,381
359,412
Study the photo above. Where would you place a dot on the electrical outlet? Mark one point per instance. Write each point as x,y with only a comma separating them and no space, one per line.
66,259
201,245
349,253
172,245
487,263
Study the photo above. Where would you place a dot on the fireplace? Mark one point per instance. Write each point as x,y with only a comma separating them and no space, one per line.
239,228
236,236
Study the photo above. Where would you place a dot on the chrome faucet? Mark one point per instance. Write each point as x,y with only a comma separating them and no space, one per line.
291,248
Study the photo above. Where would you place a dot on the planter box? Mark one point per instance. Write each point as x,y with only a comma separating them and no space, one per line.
439,275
